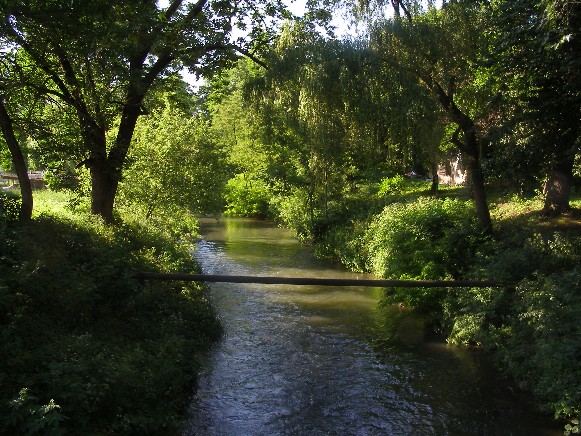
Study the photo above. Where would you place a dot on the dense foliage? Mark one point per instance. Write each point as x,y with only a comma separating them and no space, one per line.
334,139
85,347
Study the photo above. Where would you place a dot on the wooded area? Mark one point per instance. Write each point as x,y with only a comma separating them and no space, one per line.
340,140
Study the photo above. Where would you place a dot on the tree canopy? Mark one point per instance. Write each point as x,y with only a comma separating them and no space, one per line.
101,59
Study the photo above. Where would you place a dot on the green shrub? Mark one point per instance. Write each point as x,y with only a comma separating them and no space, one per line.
534,327
9,207
541,345
86,344
470,316
391,185
247,198
425,239
26,416
345,243
293,212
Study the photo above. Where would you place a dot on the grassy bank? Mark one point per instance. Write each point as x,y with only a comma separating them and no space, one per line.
87,349
397,230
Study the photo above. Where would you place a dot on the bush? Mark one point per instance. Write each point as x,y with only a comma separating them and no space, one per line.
293,212
246,198
391,185
86,344
9,207
425,239
534,327
541,345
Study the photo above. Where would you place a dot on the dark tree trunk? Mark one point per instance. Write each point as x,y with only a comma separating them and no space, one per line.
18,162
470,148
435,179
104,178
104,183
106,170
479,192
558,186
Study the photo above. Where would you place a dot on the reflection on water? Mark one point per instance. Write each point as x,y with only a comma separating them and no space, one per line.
308,360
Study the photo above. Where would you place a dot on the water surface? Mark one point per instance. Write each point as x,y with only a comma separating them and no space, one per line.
308,360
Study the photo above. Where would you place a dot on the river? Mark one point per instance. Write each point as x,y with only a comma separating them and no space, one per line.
307,360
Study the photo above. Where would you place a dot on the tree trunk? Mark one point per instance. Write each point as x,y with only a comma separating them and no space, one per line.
18,162
104,183
106,170
558,187
435,179
479,192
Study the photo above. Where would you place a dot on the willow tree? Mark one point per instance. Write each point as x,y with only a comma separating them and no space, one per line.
442,50
302,99
342,117
102,57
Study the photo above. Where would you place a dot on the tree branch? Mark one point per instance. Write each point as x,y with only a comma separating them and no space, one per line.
40,60
249,56
172,9
196,10
162,62
454,139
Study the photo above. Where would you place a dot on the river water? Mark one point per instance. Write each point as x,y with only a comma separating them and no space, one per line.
308,360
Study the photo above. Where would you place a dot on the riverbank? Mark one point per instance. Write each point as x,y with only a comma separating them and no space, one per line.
85,347
530,327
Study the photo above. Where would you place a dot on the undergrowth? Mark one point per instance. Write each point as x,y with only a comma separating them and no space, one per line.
86,348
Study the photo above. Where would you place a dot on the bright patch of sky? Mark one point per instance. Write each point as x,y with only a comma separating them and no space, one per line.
297,7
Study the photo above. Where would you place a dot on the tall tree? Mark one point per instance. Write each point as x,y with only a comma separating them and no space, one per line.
537,52
102,58
11,97
442,49
7,127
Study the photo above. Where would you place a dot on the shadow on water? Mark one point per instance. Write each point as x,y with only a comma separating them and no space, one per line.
307,360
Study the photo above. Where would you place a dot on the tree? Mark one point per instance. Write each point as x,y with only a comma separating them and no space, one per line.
302,98
537,52
13,101
18,161
173,165
442,49
102,58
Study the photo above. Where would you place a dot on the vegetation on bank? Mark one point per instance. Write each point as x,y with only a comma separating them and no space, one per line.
86,348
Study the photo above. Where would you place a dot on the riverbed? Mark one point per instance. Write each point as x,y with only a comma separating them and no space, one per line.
308,360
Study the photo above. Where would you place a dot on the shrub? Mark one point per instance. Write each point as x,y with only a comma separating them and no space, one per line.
293,212
86,344
425,239
9,207
541,345
248,198
534,327
391,185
